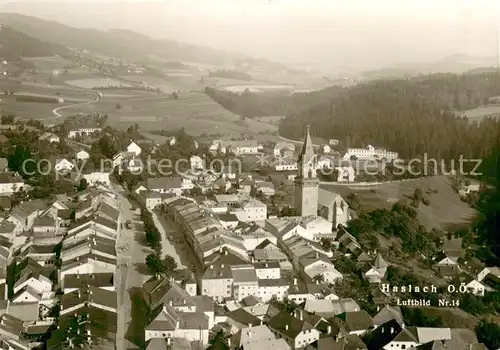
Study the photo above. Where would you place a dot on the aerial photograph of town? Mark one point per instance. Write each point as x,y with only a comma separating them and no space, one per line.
250,174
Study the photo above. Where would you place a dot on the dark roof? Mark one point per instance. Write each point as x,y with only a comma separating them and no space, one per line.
250,301
84,280
82,259
89,294
356,320
155,289
93,243
280,322
387,314
242,316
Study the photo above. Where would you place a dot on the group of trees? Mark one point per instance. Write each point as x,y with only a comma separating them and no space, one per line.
155,263
399,221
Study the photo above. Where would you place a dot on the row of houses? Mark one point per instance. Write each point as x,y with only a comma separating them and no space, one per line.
43,249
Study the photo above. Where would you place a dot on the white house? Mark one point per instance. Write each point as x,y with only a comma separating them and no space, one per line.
97,177
41,284
82,155
283,146
250,209
10,184
48,136
268,270
345,174
197,162
475,287
134,148
293,329
239,147
326,149
269,288
317,267
370,153
83,130
63,165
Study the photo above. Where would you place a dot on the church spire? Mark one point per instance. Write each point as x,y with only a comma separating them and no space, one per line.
307,152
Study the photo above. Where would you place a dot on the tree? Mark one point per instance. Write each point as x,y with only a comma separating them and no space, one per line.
153,239
83,185
155,264
7,119
488,333
326,244
170,264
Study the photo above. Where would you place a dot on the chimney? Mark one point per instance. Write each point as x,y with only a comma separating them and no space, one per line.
177,325
249,334
295,281
317,255
225,252
267,265
229,342
329,329
168,341
286,327
170,302
212,266
301,316
222,266
317,281
79,294
184,301
250,325
261,322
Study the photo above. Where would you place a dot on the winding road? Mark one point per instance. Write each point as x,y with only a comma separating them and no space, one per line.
56,113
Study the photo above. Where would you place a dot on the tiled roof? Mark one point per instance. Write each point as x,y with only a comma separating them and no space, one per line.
84,280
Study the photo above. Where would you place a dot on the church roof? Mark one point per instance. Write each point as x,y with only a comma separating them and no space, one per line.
307,152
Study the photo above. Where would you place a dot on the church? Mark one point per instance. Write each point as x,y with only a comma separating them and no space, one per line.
310,201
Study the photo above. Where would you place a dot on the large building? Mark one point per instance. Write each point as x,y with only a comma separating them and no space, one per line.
306,183
371,153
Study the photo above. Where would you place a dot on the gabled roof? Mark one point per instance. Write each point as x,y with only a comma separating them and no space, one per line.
387,314
89,294
85,280
242,316
380,263
356,320
280,322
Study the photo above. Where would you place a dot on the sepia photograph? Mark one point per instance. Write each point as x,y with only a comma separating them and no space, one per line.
250,174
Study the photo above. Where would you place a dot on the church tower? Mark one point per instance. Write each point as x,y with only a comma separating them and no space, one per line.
306,183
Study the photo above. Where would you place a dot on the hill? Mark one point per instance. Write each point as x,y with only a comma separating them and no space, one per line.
119,43
444,209
15,45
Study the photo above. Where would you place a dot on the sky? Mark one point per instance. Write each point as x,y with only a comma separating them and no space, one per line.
360,33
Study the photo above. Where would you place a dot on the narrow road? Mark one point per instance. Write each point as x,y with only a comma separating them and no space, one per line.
56,113
167,247
127,275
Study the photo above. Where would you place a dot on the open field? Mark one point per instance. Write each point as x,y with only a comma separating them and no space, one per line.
89,83
49,64
165,85
477,114
194,111
444,210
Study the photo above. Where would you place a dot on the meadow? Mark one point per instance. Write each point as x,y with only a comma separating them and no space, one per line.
90,83
445,206
477,114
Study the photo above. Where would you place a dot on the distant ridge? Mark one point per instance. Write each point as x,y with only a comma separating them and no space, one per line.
121,43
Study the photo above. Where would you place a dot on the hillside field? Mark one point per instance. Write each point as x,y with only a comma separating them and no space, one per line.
445,208
194,111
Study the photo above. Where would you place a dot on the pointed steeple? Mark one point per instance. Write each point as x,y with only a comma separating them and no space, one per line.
307,152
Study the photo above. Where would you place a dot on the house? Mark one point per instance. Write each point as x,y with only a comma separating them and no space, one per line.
376,272
268,252
85,128
250,209
294,330
134,148
475,287
196,162
78,281
165,185
281,147
414,336
370,153
268,270
121,157
97,177
63,165
10,184
82,155
217,282
270,288
326,149
452,248
192,326
258,337
388,313
50,137
245,281
329,307
353,322
321,267
221,185
264,187
332,207
24,214
345,174
239,147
